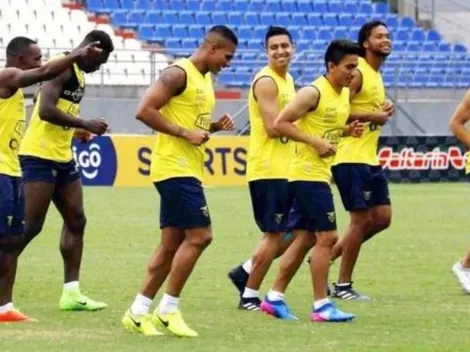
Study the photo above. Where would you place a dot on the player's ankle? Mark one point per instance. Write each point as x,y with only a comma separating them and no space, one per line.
7,307
250,293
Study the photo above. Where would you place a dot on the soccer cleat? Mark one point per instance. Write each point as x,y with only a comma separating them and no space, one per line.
239,278
14,316
330,314
347,292
72,301
251,304
463,275
278,309
141,324
173,323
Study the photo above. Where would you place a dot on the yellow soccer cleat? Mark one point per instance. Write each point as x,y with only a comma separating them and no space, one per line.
141,324
173,323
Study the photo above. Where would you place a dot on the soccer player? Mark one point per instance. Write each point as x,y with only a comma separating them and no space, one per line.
316,120
357,173
179,105
49,170
461,269
268,163
23,68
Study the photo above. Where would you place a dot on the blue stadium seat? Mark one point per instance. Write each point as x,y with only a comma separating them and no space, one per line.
320,6
111,5
407,22
241,5
257,5
159,5
351,7
170,17
325,33
225,78
414,47
235,18
314,19
208,5
119,18
225,5
289,6
203,17
177,5
391,20
341,33
299,19
180,31
399,46
173,43
94,5
255,44
365,8
153,17
250,56
360,20
445,47
189,43
302,45
283,19
273,6
295,31
459,48
252,18
186,17
336,6
401,34
260,32
345,19
267,19
330,19
218,17
136,18
127,4
163,31
196,31
381,8
305,6
146,32
193,5
310,33
245,32
433,35
353,33
418,35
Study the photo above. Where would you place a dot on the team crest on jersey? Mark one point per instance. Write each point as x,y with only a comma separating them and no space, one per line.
205,211
367,195
9,220
278,218
331,216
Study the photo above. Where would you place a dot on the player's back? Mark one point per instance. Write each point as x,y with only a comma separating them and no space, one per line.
12,124
370,98
268,157
327,121
192,110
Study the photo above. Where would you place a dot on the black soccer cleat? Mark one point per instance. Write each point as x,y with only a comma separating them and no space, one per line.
239,278
346,292
252,304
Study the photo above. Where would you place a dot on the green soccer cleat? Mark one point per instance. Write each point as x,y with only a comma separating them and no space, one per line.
141,324
73,301
173,323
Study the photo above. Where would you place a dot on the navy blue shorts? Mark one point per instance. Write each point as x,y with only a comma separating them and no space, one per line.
361,186
183,204
11,205
313,208
42,170
271,204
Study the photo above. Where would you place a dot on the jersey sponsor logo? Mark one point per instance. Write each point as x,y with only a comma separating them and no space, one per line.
331,216
205,211
96,161
278,218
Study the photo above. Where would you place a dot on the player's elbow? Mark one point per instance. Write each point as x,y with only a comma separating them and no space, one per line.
272,132
454,126
44,112
278,127
142,114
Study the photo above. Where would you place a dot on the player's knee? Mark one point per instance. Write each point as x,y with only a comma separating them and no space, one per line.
202,241
77,224
32,230
383,221
327,240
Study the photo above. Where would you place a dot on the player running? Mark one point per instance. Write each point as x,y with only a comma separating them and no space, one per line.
23,68
268,163
461,269
357,173
321,112
179,105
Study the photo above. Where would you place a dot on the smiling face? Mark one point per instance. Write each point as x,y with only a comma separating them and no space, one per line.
379,42
279,50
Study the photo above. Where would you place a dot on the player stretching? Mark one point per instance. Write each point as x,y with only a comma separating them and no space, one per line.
272,88
23,68
49,170
357,173
461,269
179,105
321,111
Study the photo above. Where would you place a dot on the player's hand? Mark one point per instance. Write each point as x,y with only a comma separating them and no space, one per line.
324,148
83,135
225,123
388,107
355,129
198,137
96,126
91,51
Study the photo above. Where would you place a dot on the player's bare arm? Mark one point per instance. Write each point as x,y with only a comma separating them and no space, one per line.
48,111
458,120
15,78
354,129
170,83
305,100
224,123
265,92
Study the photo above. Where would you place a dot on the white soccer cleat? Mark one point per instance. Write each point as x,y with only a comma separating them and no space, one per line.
463,275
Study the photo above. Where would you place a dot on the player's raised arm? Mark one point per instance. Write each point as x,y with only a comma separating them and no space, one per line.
171,82
48,111
265,92
458,120
15,78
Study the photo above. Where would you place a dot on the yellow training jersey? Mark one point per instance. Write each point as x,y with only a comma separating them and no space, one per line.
269,158
48,141
192,110
12,124
327,121
370,98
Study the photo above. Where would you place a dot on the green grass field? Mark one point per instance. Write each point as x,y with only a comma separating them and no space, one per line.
418,305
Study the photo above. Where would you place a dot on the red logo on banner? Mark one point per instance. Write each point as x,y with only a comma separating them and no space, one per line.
409,159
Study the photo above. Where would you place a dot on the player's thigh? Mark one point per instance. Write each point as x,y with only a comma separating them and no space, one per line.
11,216
68,199
271,204
172,238
183,204
379,187
352,181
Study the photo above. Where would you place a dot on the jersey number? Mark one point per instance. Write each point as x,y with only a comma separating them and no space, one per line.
284,140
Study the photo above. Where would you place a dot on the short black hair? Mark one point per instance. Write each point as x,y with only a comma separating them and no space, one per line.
338,49
100,36
366,31
275,30
18,45
225,32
